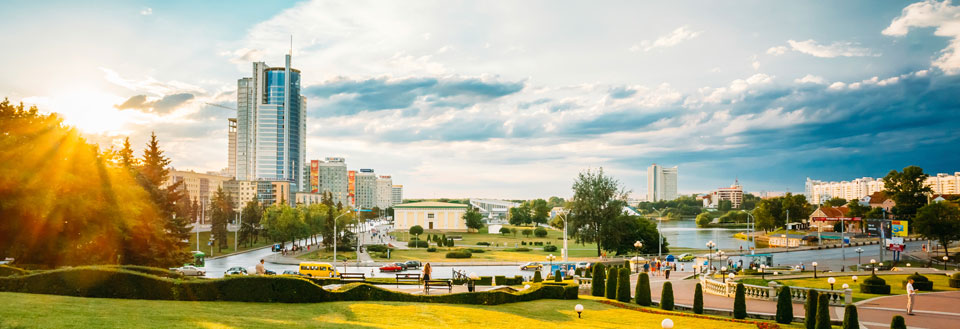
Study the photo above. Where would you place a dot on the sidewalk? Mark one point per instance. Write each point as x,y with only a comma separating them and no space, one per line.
933,310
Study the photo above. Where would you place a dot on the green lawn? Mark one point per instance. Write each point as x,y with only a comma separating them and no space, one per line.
323,255
939,284
48,311
205,237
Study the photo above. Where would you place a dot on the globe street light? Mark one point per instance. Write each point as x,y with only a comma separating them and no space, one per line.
762,273
831,281
845,286
945,258
732,276
579,309
859,251
814,269
873,266
854,278
666,324
723,270
637,245
710,246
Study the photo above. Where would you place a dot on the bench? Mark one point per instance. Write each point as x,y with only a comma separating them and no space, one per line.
408,277
352,277
437,283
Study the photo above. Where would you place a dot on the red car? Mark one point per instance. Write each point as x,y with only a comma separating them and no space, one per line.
391,268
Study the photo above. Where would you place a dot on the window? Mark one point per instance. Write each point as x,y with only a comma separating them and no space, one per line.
430,216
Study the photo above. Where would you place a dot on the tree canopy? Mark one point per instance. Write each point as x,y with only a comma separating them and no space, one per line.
907,190
598,201
938,221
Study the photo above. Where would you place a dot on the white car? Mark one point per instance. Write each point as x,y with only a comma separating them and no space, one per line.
189,271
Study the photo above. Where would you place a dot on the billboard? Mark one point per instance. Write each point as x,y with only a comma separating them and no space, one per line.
314,176
899,227
351,186
878,227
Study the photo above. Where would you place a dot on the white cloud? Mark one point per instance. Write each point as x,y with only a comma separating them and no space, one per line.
679,35
837,86
732,93
146,11
836,49
755,63
942,15
810,78
777,51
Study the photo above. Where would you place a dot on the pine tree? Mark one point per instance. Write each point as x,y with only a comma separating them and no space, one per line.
598,280
126,156
613,275
698,300
784,306
220,213
152,173
823,312
666,296
740,303
623,286
810,310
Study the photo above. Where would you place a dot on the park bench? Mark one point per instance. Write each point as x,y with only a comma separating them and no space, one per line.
352,277
408,277
437,283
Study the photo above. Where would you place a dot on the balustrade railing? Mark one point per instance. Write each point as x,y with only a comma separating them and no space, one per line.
797,294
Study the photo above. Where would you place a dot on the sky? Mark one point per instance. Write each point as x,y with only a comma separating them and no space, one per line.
512,99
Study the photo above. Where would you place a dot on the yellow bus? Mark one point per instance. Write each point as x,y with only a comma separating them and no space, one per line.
318,270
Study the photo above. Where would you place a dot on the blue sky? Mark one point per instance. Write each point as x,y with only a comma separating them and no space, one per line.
511,99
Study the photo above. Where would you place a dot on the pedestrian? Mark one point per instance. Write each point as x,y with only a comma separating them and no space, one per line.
803,267
260,269
427,269
646,267
911,297
667,272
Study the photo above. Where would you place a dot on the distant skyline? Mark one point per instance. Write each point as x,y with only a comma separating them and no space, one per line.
512,99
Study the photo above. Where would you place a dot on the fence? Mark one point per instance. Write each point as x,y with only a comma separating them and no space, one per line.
797,294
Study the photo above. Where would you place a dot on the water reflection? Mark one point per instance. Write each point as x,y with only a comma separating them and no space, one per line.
685,233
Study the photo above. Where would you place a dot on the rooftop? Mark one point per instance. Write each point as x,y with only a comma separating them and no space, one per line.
430,204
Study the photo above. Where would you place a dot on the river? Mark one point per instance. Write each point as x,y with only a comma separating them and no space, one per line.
685,233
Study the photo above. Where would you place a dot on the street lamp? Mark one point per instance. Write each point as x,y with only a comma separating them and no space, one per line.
550,258
854,278
873,266
732,276
666,324
579,309
723,270
945,258
710,245
637,245
659,233
762,273
831,281
859,251
563,215
814,269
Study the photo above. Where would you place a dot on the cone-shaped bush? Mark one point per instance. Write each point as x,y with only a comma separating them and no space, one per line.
740,303
850,318
666,296
698,299
784,306
598,282
623,286
810,310
537,277
898,323
557,277
613,275
823,312
643,290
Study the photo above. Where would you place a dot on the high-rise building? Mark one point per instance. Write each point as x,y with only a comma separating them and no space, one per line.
734,194
198,186
819,191
332,177
366,189
384,192
396,195
271,126
661,183
232,147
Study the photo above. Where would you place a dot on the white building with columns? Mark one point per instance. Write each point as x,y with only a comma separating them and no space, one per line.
430,215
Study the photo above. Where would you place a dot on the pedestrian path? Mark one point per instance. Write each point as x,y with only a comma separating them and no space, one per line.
933,310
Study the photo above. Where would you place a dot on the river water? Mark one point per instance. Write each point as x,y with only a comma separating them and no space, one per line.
685,233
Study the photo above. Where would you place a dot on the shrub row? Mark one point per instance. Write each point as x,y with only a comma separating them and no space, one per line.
483,243
954,280
377,248
6,270
459,254
521,249
121,283
418,244
550,248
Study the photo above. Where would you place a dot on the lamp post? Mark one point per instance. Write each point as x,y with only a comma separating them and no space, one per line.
723,271
873,266
472,283
637,245
579,309
762,272
659,233
945,258
710,246
814,269
550,258
859,251
720,256
563,215
831,281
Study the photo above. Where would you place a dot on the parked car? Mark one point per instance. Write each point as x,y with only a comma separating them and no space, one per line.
276,247
189,270
269,272
686,257
235,271
532,266
412,264
583,265
402,265
391,268
291,272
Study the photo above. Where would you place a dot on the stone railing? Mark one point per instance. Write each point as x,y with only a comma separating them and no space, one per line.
797,294
583,283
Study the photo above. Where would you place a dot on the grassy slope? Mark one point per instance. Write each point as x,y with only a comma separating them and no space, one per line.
30,311
939,284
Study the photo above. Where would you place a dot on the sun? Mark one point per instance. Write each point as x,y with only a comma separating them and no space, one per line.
91,111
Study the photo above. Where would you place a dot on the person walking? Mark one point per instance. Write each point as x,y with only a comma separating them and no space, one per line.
666,272
260,269
911,297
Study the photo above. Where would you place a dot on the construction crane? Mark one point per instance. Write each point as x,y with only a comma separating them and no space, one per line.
221,106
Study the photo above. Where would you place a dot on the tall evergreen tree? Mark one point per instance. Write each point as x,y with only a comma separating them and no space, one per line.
221,212
250,218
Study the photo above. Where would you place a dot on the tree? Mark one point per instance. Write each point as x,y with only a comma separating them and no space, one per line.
906,188
250,217
810,310
725,205
504,230
126,157
740,303
938,221
555,201
527,232
153,172
416,230
704,219
541,212
473,219
598,280
643,290
823,312
613,275
597,200
698,299
624,230
835,202
666,296
520,215
784,306
221,212
540,232
858,210
850,318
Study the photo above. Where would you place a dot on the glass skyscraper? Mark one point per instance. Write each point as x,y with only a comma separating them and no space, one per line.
271,126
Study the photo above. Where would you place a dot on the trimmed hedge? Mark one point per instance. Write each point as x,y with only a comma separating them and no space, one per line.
6,270
740,303
514,281
418,244
598,283
485,281
557,276
521,249
850,318
823,312
432,249
483,243
875,285
459,254
698,299
537,277
549,248
613,275
810,310
920,282
377,248
666,296
499,280
954,281
784,306
643,290
898,322
623,286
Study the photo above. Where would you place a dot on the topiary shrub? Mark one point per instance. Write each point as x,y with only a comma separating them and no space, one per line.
954,280
499,280
540,232
850,318
920,282
666,296
459,254
550,248
784,306
418,244
598,280
537,277
875,285
898,322
740,303
449,242
810,310
698,299
823,312
377,248
643,290
432,249
623,286
557,276
613,275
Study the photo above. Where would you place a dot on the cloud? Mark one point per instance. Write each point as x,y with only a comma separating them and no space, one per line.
674,38
942,15
836,49
810,78
164,105
778,50
243,55
146,11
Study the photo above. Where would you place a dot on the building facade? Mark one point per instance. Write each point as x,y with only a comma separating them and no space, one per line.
384,192
241,192
396,193
366,189
818,191
330,176
734,194
200,187
430,215
491,209
352,188
271,126
661,183
307,198
232,147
